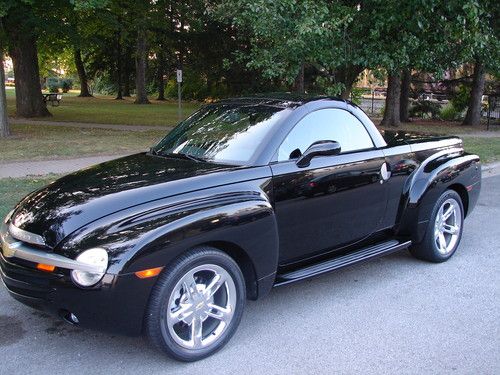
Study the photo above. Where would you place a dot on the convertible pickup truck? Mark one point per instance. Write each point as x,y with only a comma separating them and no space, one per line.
245,195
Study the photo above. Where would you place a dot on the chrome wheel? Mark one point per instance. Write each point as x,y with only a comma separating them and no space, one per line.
447,226
201,306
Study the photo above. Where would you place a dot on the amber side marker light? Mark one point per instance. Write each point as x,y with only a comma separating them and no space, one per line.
152,272
45,267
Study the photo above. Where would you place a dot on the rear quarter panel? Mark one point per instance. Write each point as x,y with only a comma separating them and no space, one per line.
444,169
423,167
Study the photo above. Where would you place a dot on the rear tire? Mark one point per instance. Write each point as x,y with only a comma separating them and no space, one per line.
444,230
196,305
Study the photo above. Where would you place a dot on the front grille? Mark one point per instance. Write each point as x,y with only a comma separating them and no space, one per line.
26,281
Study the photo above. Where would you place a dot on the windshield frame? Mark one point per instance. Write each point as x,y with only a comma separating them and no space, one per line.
283,112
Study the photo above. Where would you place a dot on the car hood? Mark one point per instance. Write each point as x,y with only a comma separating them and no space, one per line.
77,199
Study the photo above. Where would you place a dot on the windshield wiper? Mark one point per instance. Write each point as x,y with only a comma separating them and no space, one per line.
185,156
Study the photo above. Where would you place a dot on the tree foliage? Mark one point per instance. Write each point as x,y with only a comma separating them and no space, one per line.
229,47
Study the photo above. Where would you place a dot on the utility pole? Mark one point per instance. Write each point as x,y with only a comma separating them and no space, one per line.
179,82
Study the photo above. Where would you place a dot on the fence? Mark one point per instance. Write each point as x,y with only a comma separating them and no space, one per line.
492,112
373,105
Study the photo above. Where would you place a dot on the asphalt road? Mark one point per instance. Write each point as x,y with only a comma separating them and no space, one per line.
394,315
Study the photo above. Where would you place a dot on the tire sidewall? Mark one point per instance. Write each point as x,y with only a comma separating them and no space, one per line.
168,280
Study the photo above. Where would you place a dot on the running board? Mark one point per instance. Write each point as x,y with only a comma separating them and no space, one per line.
342,261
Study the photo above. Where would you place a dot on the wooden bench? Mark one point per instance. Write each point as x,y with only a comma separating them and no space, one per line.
53,99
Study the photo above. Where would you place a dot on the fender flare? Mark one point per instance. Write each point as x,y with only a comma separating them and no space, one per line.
436,174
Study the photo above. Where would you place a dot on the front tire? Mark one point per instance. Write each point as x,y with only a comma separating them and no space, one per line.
444,230
196,305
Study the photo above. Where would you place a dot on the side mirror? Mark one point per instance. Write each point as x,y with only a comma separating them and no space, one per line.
319,148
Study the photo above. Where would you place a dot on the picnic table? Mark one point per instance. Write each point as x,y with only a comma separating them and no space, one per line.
53,98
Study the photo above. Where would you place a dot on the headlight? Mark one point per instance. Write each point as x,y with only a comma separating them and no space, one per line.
97,257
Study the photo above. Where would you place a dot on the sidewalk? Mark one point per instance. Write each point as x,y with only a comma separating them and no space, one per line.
40,168
88,125
492,169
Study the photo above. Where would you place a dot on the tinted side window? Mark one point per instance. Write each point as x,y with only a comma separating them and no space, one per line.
326,124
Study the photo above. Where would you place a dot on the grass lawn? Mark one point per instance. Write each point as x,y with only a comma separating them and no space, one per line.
13,189
106,110
44,142
33,142
487,148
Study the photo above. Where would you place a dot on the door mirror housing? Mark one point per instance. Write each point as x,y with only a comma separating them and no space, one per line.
319,148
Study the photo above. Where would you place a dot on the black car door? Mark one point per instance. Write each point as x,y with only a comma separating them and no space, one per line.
336,200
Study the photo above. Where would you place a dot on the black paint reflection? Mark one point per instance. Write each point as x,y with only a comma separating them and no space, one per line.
89,194
326,207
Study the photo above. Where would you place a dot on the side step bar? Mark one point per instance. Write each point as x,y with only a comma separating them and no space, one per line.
342,261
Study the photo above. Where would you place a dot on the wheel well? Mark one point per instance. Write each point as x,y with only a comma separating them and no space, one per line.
244,262
460,189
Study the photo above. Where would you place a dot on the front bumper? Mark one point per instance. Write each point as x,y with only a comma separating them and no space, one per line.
117,304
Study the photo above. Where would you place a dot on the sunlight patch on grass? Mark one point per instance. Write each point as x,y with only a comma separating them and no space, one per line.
37,142
107,110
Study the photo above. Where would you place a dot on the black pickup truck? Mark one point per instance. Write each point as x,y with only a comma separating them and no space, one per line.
245,195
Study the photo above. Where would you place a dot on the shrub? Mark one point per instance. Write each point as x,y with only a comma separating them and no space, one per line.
104,85
425,109
194,87
450,113
325,85
171,89
357,95
460,99
53,84
382,111
66,84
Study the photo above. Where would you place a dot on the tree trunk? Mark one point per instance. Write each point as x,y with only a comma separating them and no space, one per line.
348,76
160,82
473,115
126,73
346,92
82,74
119,68
23,51
404,98
119,83
299,80
140,69
4,121
391,114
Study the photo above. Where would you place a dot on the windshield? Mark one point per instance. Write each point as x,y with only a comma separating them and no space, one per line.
224,133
